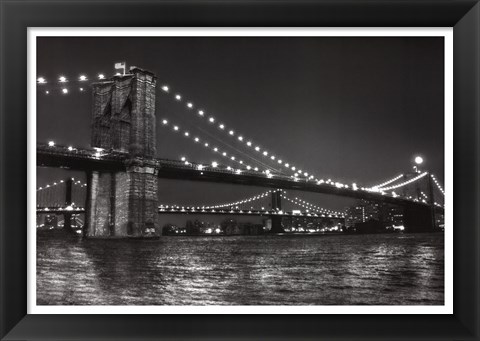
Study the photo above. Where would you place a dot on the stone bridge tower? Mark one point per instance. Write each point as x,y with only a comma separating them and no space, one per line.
124,203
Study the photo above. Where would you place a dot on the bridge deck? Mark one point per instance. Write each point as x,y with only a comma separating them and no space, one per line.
90,160
80,210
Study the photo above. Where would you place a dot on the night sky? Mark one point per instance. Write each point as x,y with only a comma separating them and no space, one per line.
350,109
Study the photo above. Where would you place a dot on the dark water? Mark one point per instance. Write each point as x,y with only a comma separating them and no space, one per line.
260,270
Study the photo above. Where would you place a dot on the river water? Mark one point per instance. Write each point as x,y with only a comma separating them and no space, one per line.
387,269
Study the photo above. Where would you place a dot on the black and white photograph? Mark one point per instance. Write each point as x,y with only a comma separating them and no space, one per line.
241,171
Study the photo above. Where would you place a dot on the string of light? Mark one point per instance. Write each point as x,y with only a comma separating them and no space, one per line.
68,208
313,210
404,183
245,201
220,141
62,79
191,209
235,203
64,84
255,160
438,184
387,182
210,147
55,183
221,126
239,137
308,205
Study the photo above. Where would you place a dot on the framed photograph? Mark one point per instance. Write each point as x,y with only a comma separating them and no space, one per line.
240,170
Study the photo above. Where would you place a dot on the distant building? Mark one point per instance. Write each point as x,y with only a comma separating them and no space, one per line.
367,211
355,214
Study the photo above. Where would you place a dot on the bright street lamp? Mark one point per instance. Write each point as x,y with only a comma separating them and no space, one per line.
418,160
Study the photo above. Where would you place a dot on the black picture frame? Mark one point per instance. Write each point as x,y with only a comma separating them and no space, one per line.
16,16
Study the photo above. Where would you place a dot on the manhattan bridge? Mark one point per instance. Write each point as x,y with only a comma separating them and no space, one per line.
120,197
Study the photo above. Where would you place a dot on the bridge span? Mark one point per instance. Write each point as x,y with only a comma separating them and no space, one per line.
122,169
83,159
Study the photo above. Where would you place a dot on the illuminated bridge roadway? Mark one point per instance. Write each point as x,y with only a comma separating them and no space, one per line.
99,160
193,210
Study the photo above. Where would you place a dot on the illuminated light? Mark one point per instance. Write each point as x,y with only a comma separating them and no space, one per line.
178,97
175,128
215,149
62,79
82,78
211,119
306,174
280,161
70,148
65,90
190,105
272,157
97,154
241,162
248,167
256,169
118,74
238,171
41,80
206,144
418,160
164,122
265,153
231,132
200,112
249,143
197,139
200,167
51,143
293,168
214,164
165,88
183,158
187,133
229,168
101,76
287,165
47,92
233,158
240,138
221,126
186,163
267,171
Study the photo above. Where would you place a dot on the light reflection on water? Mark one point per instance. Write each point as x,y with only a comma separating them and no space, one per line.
243,270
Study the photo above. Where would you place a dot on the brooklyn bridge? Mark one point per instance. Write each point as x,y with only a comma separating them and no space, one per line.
120,197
